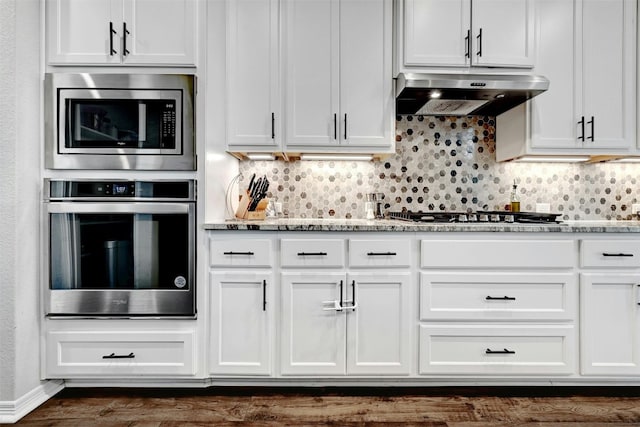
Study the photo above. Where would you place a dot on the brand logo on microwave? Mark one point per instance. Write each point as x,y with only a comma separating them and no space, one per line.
121,143
120,302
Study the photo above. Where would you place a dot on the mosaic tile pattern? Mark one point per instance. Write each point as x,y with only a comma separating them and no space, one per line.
448,163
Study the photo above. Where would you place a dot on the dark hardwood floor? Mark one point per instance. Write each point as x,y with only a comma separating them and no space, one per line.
429,407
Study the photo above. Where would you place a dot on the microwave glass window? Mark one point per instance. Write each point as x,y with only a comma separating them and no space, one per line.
121,123
119,251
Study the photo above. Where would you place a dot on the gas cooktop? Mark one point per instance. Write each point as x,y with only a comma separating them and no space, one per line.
479,217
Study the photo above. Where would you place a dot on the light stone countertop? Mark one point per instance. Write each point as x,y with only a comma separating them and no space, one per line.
386,225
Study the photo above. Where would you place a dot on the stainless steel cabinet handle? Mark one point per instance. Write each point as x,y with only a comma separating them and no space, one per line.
581,123
335,126
238,253
112,51
616,255
592,123
381,254
125,52
479,38
505,351
312,254
119,356
504,298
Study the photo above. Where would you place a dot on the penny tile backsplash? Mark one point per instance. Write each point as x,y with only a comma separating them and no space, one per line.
448,163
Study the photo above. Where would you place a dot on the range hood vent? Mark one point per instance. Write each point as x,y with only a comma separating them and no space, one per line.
464,94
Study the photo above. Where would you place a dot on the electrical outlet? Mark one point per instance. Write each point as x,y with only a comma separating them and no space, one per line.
635,209
543,207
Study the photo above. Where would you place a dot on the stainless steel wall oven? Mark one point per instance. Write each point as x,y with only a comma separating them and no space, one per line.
117,248
119,121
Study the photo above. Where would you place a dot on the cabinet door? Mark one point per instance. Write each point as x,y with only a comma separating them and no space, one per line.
159,32
610,324
241,311
609,64
379,328
555,113
311,39
366,93
313,334
435,32
253,105
78,31
502,33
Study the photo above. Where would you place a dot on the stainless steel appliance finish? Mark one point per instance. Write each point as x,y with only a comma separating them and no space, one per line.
119,121
479,217
117,248
464,94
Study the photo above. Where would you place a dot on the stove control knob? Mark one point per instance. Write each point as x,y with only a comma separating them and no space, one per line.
483,218
462,218
495,217
509,218
472,217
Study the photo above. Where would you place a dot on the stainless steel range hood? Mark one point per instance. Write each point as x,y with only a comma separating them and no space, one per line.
464,94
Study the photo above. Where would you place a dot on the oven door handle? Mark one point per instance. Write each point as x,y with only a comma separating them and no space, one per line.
116,207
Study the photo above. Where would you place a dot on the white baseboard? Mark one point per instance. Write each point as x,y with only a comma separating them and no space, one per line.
13,411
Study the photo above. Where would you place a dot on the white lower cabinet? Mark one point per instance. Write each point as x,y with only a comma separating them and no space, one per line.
241,307
119,354
610,307
496,349
610,324
524,295
497,307
313,332
335,323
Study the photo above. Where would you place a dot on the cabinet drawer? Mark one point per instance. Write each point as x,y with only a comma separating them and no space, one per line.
119,354
498,296
610,253
497,254
497,349
379,253
240,253
312,252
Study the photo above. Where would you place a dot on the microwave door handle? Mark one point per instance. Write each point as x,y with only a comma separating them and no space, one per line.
120,208
142,123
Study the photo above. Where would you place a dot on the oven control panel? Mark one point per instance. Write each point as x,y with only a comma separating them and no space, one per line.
119,189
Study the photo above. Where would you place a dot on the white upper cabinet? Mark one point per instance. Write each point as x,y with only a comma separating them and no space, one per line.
121,32
607,88
338,80
587,50
463,33
253,75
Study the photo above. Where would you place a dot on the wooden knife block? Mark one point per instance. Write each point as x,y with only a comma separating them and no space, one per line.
243,211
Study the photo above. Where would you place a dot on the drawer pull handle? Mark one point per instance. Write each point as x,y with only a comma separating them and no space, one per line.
119,356
312,254
238,253
504,298
381,254
617,255
505,351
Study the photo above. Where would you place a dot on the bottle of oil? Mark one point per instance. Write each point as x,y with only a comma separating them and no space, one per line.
514,199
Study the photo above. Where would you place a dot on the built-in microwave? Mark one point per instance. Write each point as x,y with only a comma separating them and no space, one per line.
119,121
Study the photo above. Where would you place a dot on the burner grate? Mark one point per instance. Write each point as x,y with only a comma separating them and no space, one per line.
480,217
